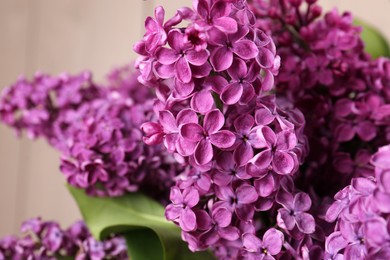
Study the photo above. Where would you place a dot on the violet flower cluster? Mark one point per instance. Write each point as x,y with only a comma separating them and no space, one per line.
96,129
213,80
46,240
249,190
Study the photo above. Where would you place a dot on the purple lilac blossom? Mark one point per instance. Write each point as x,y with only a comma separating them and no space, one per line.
214,80
95,128
47,240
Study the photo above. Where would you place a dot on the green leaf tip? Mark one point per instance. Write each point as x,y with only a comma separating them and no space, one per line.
375,43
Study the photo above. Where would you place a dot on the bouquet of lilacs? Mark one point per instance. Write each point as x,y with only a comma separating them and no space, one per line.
258,129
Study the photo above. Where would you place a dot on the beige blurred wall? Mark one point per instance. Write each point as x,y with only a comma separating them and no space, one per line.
72,35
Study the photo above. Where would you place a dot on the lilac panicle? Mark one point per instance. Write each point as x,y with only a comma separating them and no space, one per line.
47,240
213,80
95,128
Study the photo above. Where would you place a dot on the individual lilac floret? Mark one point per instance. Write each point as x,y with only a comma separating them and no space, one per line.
46,240
269,246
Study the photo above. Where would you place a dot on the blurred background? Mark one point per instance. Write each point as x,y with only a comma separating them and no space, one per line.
73,35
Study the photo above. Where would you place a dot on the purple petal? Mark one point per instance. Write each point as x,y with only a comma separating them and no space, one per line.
286,140
183,70
283,163
344,132
251,242
381,159
285,220
167,56
302,202
245,212
243,153
168,121
216,83
223,139
246,194
202,101
187,220
334,243
165,71
376,231
366,131
243,124
203,220
192,132
382,201
245,49
230,233
221,58
203,152
213,121
265,186
175,40
222,216
263,159
226,24
172,212
305,223
238,70
190,197
273,241
186,116
231,94
197,58
184,89
185,147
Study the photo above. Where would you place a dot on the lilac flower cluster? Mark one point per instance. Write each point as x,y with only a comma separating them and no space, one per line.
95,128
217,114
362,212
46,240
344,95
340,90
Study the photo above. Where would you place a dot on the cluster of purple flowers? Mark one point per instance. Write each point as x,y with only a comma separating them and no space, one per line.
216,112
96,129
269,137
45,240
255,162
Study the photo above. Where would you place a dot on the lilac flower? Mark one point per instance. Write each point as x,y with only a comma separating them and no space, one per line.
263,249
241,83
293,212
276,150
215,15
180,210
239,200
180,56
247,139
208,135
219,227
227,45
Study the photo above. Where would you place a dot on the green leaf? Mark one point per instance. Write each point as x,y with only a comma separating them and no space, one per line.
375,43
140,220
